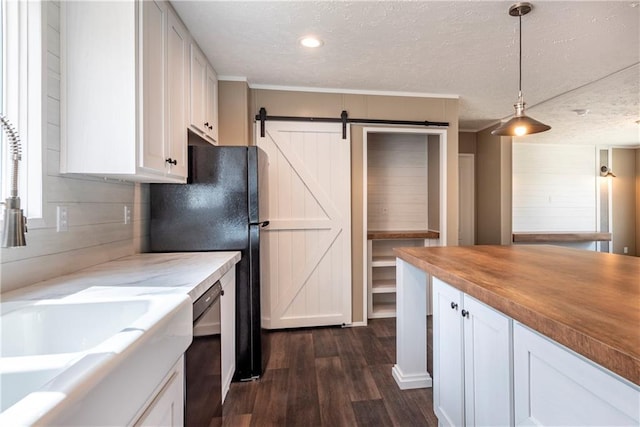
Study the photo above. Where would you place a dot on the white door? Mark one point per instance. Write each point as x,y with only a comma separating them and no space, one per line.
307,281
466,195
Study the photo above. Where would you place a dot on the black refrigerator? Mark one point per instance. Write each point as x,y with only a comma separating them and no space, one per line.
222,207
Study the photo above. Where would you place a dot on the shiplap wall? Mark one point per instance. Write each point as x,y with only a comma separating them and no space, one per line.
397,182
97,232
554,188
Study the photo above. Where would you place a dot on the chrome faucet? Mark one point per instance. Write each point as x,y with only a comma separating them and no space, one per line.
15,223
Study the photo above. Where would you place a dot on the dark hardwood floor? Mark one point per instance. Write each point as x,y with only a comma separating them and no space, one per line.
330,377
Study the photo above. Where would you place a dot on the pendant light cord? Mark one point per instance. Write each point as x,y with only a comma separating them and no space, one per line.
520,55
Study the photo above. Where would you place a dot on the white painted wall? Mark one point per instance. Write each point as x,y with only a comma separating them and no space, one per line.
554,188
97,232
397,195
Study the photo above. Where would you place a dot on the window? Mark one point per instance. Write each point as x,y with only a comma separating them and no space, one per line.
23,93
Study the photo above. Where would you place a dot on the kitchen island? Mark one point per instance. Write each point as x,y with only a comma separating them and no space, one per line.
584,303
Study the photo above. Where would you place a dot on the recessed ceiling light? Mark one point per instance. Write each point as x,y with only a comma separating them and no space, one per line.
310,41
581,112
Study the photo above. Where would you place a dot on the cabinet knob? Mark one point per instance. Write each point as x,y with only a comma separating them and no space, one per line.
464,313
210,127
222,292
206,124
171,161
454,305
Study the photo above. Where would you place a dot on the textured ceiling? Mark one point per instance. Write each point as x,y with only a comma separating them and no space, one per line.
576,55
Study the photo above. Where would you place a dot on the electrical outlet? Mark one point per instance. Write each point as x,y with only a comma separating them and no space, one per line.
127,215
625,250
62,221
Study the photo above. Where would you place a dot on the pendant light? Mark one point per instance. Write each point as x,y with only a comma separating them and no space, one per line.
520,124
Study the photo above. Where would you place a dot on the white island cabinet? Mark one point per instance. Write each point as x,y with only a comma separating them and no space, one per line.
555,386
125,90
511,348
471,360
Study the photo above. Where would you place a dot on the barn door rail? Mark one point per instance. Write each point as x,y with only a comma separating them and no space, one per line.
344,119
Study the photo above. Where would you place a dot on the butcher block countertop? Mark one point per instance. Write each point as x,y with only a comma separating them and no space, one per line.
587,301
402,234
554,236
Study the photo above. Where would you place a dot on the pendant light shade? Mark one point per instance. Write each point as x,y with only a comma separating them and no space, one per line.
520,124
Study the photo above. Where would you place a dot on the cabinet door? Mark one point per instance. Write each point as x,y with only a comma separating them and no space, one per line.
167,408
177,66
212,104
228,329
555,386
154,15
448,380
487,365
198,89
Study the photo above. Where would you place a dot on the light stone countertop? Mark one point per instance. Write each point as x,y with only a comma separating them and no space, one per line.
87,331
189,273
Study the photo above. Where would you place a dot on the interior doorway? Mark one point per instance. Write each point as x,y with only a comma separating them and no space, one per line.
466,200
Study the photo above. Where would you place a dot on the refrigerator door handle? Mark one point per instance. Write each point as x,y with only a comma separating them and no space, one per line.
261,224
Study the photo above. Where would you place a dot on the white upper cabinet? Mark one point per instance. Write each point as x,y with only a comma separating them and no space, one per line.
211,114
203,90
124,98
177,96
154,76
197,89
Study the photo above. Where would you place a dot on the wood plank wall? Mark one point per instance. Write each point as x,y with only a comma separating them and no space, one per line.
397,182
97,232
554,188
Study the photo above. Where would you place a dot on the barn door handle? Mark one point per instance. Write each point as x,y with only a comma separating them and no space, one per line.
261,224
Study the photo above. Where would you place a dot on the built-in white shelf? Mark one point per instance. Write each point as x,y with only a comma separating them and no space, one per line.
383,261
383,286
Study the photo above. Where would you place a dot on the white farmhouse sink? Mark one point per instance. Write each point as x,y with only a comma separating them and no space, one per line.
20,376
61,360
55,327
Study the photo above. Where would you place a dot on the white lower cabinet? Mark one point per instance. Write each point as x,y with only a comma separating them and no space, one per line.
556,386
489,370
228,329
166,407
471,360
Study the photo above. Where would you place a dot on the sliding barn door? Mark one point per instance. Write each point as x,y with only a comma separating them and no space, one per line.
307,278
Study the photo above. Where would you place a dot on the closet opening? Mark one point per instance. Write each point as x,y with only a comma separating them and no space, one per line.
404,192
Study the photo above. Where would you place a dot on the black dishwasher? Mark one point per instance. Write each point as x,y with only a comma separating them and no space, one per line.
203,387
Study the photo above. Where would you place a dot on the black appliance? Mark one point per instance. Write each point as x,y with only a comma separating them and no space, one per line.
221,208
203,367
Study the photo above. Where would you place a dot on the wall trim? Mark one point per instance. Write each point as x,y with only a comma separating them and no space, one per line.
232,79
352,91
